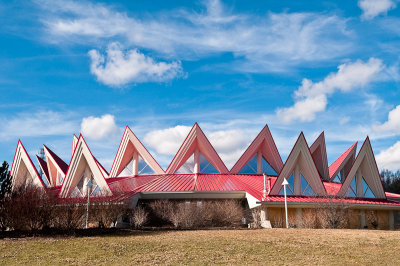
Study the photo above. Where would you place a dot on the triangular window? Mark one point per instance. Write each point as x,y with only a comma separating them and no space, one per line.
206,166
289,188
144,168
352,190
306,189
338,178
267,168
128,169
367,192
250,167
81,188
187,167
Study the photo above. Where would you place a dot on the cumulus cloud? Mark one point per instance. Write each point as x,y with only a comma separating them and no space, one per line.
373,8
167,141
312,98
392,124
260,43
389,158
119,68
97,128
229,144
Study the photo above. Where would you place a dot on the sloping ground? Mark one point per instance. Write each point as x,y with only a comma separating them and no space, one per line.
274,246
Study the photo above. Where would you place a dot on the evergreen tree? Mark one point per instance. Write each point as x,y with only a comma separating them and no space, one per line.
5,180
391,181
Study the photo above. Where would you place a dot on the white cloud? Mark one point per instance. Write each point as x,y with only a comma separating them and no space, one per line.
389,158
119,68
36,124
98,127
312,98
229,144
260,43
167,141
392,124
373,8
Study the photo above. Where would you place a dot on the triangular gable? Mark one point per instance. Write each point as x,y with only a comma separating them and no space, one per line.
300,162
23,171
263,144
344,163
83,166
74,142
43,166
196,140
129,148
318,153
57,168
364,167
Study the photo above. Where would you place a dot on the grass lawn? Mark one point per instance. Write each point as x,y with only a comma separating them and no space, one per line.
268,246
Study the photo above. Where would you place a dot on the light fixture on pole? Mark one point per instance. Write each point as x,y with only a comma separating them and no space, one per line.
284,184
88,185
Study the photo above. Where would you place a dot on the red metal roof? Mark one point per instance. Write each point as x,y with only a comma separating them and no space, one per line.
332,188
335,165
392,195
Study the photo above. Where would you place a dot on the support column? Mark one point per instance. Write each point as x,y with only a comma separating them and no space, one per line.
264,222
299,217
391,220
86,177
196,161
363,222
259,163
360,191
135,159
296,180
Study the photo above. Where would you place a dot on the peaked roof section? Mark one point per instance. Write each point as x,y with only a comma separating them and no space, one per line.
54,164
82,156
129,144
347,157
196,140
57,160
301,155
365,162
23,168
318,153
265,143
43,166
74,142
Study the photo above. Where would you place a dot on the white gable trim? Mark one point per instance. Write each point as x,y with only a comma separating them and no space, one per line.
73,176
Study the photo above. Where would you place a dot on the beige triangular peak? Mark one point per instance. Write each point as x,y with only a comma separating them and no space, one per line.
318,153
264,147
300,171
82,169
133,158
363,169
57,168
23,171
74,142
196,144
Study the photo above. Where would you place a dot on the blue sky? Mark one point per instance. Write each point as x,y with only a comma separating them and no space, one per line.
232,66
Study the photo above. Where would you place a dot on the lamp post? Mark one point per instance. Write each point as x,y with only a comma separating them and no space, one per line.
284,184
88,185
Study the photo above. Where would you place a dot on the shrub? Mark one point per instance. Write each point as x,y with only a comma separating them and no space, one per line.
194,215
139,217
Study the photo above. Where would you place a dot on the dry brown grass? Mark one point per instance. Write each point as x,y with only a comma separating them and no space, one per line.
268,246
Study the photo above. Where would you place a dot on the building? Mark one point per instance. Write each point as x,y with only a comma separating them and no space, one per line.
198,173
